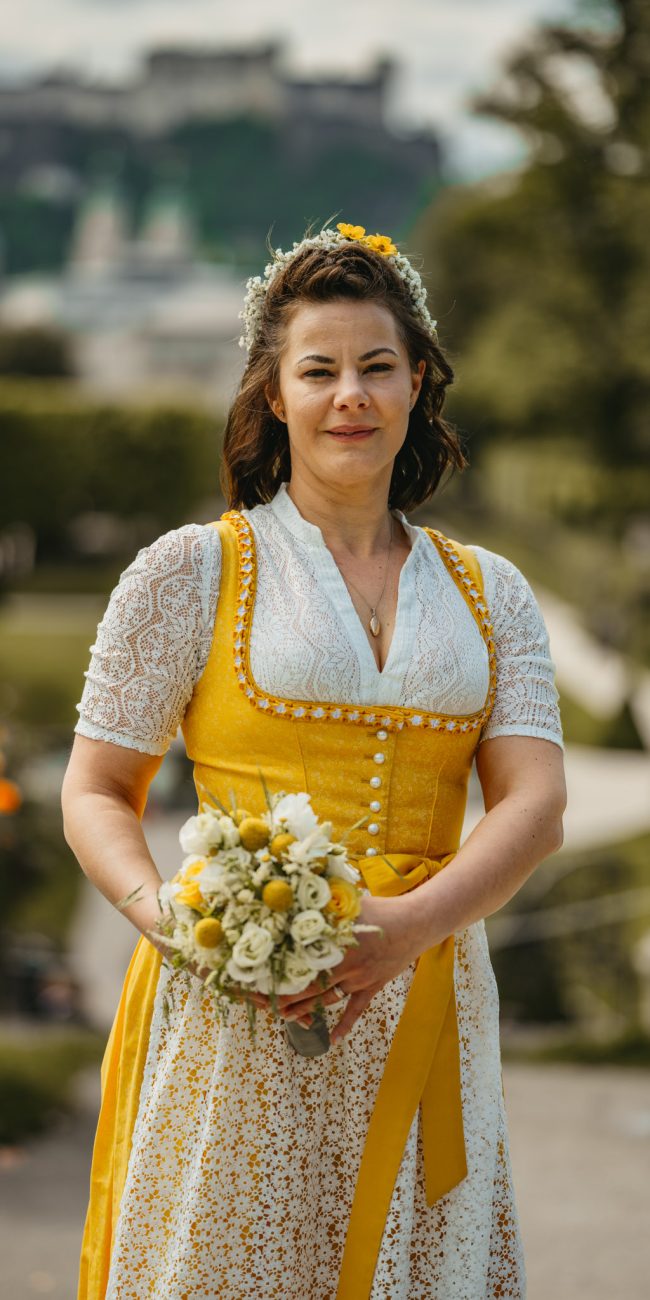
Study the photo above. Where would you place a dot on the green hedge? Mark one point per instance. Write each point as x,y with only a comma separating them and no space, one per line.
68,453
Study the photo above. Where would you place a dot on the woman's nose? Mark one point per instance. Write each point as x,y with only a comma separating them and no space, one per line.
350,390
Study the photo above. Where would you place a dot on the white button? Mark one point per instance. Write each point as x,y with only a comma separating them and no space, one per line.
375,782
373,828
382,735
379,758
375,805
370,852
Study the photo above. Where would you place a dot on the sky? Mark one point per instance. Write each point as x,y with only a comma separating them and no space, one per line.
447,49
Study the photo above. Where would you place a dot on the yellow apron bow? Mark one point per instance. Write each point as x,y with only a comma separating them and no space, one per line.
422,1068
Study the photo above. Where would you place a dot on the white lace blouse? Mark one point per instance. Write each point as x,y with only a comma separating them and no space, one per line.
307,641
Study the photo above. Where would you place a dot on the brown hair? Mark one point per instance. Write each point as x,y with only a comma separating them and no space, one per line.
256,452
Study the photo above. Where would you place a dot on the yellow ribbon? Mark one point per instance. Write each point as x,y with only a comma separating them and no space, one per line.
422,1068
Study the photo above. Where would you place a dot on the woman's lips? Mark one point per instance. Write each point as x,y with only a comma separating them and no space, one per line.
351,437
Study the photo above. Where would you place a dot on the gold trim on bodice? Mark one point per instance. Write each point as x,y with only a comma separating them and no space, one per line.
388,716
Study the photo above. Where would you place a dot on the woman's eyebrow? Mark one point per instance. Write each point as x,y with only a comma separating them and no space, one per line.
315,356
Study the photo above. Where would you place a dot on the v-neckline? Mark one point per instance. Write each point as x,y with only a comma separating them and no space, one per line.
287,511
351,618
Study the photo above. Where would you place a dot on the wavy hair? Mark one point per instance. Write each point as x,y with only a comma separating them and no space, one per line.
256,452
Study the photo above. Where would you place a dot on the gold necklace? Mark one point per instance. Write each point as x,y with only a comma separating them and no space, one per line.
374,624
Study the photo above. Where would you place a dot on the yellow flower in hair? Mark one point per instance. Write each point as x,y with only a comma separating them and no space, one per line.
381,244
350,232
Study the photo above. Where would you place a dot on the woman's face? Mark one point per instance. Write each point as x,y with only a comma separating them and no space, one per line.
344,366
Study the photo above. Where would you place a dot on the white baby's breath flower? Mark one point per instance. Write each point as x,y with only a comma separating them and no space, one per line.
245,896
262,874
313,890
229,832
307,926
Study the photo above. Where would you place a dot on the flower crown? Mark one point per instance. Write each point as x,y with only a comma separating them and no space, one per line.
256,286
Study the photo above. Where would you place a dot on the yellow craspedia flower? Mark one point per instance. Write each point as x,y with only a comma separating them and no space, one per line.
345,902
381,244
280,843
208,932
254,833
278,895
350,232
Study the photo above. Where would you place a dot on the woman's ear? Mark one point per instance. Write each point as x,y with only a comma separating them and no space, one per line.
417,378
275,405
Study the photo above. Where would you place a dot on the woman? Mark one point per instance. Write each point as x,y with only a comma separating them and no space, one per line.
317,634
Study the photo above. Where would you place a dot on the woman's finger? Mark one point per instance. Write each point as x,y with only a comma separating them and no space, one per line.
358,1003
328,997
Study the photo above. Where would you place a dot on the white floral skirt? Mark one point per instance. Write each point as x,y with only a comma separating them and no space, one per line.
244,1158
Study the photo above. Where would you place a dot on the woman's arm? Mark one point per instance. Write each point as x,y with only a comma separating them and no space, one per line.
103,797
524,792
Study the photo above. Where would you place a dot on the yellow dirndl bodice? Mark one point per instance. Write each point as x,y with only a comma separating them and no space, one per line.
413,767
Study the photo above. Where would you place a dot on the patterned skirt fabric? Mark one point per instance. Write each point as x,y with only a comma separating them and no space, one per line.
244,1158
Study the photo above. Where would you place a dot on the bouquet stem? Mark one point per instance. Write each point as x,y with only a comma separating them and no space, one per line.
313,1041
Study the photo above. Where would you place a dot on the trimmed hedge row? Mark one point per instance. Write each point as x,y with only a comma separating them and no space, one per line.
65,453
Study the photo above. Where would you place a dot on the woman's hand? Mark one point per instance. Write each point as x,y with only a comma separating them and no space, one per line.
366,968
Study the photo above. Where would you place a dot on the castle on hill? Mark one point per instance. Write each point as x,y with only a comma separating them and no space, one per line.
176,85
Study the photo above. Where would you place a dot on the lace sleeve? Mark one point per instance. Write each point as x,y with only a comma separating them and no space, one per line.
526,701
153,642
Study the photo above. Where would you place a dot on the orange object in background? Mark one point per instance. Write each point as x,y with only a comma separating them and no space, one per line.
10,797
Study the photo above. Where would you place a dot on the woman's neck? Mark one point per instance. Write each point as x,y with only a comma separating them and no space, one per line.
351,521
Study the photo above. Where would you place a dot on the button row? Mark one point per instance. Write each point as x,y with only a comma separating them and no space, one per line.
375,782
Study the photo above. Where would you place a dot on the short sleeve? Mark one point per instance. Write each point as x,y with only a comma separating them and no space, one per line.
153,642
527,699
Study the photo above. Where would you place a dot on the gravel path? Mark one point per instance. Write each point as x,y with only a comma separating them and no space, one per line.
580,1145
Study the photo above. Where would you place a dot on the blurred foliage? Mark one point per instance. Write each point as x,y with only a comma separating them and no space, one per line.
542,277
238,178
587,973
71,453
36,1078
629,1049
36,351
39,876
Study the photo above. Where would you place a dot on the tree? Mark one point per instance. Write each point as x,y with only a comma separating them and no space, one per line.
543,275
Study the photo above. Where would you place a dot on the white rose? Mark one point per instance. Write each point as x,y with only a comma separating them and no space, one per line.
323,953
254,946
241,974
313,891
201,834
294,811
297,973
307,926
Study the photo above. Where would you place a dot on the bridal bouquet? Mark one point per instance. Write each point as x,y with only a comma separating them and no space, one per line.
262,902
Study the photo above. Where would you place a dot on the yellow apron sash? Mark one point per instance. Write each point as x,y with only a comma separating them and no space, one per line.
422,1068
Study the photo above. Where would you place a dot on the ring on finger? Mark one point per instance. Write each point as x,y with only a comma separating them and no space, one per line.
340,993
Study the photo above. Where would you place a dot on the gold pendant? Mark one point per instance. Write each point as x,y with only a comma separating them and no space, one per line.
375,625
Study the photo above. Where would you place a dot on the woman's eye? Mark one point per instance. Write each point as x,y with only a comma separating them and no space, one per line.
378,365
